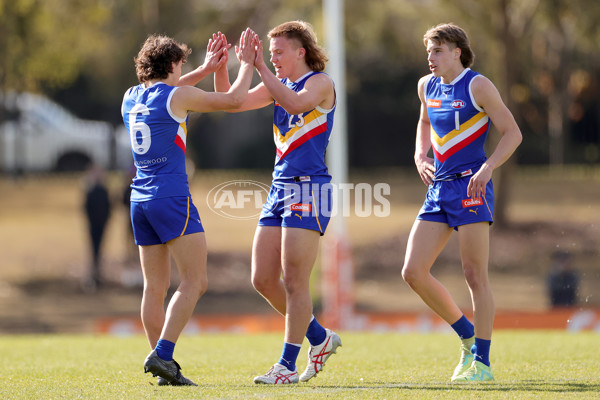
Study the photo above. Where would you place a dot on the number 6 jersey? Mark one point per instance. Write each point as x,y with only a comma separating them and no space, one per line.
158,140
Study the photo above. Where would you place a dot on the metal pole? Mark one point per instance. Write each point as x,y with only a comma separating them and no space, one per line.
337,271
337,152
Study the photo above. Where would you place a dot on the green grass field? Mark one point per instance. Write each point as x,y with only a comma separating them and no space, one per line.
527,365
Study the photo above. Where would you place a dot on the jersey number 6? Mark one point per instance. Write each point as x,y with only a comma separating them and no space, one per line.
141,144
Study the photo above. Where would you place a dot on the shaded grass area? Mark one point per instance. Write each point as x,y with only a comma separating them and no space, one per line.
548,365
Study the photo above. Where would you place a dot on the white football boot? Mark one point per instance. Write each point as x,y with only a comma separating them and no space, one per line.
278,375
318,355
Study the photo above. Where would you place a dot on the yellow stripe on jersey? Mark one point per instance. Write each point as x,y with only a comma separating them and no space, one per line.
182,133
466,129
306,126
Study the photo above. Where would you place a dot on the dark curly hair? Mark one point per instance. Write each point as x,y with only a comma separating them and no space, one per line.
452,35
303,32
154,61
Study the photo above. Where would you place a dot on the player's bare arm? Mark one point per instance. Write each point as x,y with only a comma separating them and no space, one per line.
487,97
258,97
221,77
318,90
216,57
423,162
189,98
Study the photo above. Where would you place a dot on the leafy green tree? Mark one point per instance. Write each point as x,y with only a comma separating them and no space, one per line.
46,42
541,54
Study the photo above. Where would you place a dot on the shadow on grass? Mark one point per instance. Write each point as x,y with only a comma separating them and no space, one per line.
532,386
540,386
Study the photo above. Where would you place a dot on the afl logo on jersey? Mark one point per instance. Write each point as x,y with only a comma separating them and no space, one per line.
458,104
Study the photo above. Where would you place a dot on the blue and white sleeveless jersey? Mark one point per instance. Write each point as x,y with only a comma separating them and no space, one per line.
459,127
158,142
301,140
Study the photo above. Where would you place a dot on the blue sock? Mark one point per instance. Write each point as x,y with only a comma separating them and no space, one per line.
289,355
464,328
315,334
165,349
481,350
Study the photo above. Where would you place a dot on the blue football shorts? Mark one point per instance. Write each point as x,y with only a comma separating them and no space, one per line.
159,220
302,202
447,202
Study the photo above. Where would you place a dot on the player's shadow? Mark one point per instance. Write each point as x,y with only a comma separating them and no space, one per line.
539,386
532,386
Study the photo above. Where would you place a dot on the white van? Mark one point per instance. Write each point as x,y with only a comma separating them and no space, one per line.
43,136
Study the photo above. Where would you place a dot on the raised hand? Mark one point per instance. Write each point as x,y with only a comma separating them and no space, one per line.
258,60
246,51
216,52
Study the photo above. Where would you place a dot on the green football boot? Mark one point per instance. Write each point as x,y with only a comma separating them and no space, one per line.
477,372
466,359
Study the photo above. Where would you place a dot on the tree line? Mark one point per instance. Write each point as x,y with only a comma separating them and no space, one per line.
541,54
